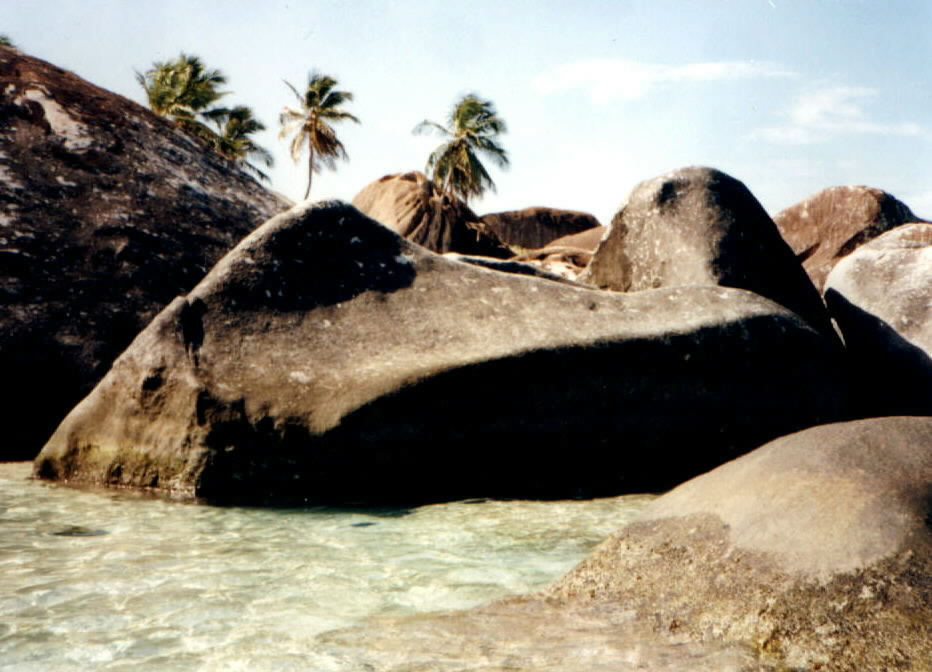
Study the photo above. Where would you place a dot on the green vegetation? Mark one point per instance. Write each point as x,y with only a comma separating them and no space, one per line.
473,130
320,106
184,90
5,41
234,126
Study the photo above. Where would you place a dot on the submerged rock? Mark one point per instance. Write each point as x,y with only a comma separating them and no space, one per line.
831,224
412,206
107,212
879,296
328,359
699,226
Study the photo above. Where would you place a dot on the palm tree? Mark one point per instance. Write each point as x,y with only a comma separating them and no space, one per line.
320,106
473,130
181,90
234,126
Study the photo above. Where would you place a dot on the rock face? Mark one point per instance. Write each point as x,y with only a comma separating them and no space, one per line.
533,228
811,553
699,226
817,547
327,359
411,206
879,296
834,222
107,212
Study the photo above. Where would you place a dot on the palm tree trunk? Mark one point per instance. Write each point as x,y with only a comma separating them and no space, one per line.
310,168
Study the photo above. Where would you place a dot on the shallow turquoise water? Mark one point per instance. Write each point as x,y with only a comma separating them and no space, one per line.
111,581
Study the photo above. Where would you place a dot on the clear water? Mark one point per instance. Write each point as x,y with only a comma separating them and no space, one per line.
111,581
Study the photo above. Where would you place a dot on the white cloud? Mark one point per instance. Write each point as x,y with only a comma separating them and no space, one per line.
834,110
613,79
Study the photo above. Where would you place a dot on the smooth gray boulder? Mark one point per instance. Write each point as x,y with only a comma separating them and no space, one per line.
327,359
879,296
699,226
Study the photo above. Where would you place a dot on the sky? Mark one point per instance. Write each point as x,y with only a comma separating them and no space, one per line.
789,96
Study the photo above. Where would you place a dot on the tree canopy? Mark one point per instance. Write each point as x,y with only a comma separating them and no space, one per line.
234,126
184,90
310,124
472,132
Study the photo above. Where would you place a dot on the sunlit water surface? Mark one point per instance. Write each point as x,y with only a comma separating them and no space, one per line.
111,581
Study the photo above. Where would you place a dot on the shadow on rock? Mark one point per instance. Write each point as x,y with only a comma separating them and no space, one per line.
889,375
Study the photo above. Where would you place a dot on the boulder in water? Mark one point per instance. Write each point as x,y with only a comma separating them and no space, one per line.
817,547
327,359
813,552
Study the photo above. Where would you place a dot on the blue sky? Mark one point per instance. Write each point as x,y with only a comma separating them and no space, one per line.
790,96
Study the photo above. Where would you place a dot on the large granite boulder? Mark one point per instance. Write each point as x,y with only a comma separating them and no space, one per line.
699,226
327,359
413,207
813,552
817,547
881,299
107,212
834,222
533,228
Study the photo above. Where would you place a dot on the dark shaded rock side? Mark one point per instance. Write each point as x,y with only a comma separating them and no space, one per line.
834,222
327,359
107,212
697,226
412,206
536,227
879,296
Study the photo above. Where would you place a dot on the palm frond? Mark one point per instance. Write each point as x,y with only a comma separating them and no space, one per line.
474,126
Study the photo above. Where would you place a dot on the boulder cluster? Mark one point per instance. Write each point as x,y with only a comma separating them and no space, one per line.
775,372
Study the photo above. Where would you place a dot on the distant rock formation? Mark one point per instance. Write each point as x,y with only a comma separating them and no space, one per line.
107,212
699,226
834,222
327,359
533,228
412,206
880,296
587,240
